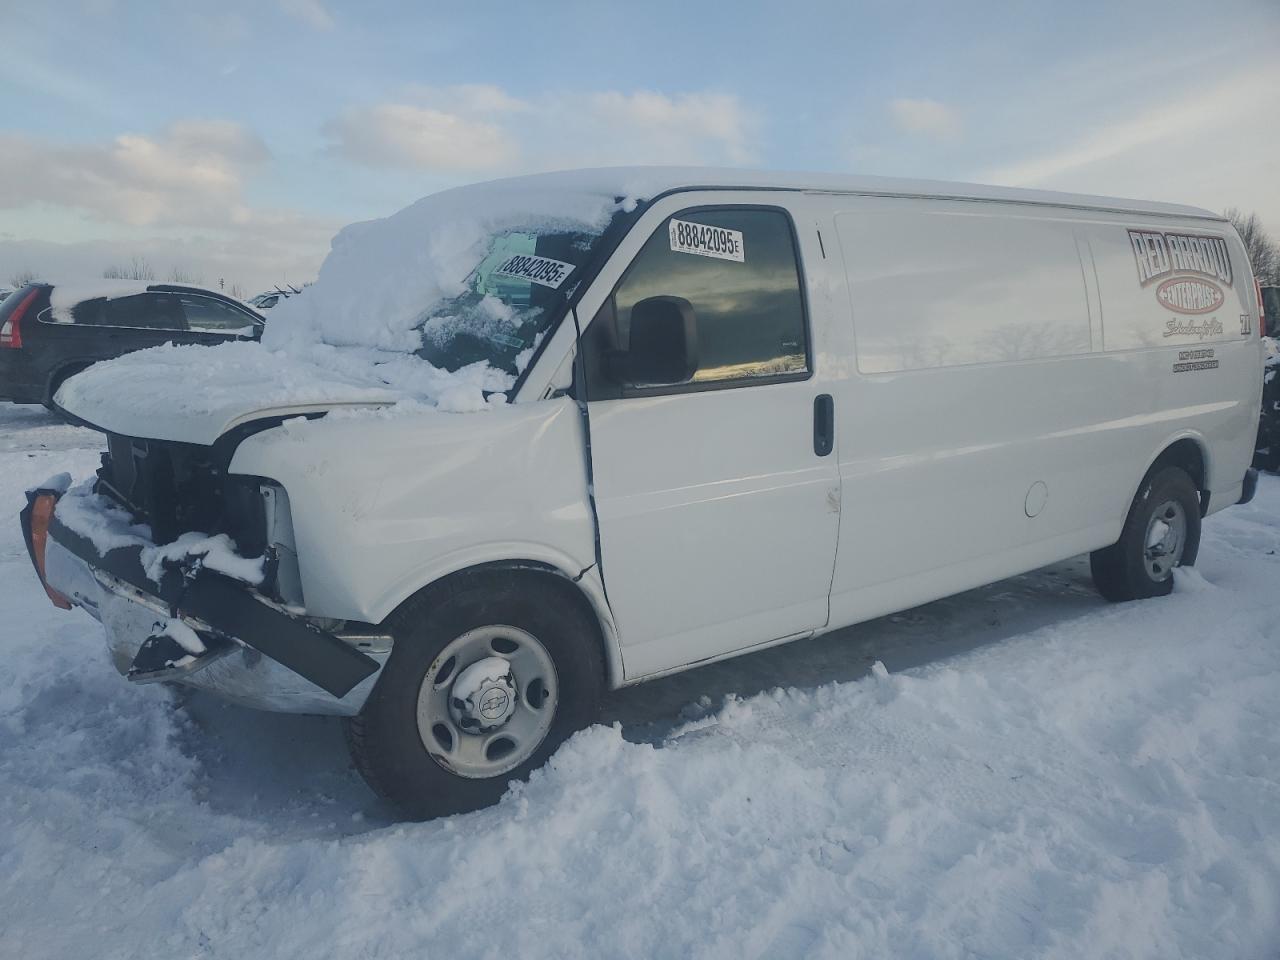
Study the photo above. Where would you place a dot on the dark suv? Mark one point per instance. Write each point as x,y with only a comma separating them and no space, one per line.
49,333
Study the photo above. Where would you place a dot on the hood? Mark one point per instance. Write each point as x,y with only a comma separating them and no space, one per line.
194,394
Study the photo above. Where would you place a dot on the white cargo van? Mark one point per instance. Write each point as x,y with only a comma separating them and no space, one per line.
527,441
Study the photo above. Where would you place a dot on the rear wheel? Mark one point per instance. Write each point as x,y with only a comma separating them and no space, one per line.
1161,532
489,674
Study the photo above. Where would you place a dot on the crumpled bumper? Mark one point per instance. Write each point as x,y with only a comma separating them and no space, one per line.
258,654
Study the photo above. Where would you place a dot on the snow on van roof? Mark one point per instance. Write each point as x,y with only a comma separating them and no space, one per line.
648,182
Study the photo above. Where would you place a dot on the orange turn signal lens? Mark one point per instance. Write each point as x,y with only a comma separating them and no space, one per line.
41,514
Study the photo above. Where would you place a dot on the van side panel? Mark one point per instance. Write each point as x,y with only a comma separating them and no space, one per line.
987,431
952,284
1177,297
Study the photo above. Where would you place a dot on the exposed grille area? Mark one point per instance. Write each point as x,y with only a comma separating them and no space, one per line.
178,487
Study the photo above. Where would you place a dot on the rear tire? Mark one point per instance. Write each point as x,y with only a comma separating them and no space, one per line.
1162,531
426,750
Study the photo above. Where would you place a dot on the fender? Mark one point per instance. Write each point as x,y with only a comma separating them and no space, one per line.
514,556
1159,451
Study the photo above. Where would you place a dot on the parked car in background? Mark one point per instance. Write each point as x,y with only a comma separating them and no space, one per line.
50,332
1267,456
269,298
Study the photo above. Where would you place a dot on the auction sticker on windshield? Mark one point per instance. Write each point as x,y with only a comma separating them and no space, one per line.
540,270
705,241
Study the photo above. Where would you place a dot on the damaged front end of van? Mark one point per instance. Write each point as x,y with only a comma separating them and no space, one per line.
214,610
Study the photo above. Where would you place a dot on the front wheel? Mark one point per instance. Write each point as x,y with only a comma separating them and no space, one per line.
489,674
1161,532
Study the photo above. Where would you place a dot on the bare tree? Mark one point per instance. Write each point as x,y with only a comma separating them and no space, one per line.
22,278
1264,253
137,269
178,275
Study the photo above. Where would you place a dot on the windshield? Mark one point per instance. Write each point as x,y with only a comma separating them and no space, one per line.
511,301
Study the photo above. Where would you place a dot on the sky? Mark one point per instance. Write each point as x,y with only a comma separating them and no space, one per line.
230,139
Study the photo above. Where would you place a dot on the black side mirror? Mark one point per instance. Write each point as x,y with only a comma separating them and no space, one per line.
664,344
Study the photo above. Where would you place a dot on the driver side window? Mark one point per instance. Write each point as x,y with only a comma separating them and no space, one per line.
737,269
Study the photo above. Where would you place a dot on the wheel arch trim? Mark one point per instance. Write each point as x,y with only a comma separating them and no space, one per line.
583,581
1176,450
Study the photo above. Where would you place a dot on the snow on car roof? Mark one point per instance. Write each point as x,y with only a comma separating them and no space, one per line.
64,297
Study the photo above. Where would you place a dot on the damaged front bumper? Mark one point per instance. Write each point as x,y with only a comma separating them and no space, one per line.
256,653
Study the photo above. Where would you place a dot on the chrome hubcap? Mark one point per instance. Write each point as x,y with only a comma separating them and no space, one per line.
1166,539
487,701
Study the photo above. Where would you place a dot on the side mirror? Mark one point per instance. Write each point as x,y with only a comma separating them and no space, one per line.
664,344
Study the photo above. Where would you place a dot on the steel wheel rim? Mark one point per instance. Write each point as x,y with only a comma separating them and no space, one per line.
1165,540
478,754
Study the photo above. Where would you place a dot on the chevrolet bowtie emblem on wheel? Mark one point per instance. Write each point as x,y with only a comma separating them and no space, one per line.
494,704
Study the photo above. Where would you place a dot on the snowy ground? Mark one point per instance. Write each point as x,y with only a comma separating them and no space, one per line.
1037,774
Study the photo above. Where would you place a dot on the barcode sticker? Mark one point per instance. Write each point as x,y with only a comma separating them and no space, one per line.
540,270
705,241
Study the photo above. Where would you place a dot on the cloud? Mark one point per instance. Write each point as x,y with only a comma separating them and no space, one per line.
1176,117
192,174
484,128
647,127
927,117
417,137
311,12
176,198
1211,146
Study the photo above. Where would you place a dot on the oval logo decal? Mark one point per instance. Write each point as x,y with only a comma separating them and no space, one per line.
1190,295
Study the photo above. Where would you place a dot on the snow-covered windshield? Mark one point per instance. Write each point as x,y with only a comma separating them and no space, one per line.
452,295
441,303
509,302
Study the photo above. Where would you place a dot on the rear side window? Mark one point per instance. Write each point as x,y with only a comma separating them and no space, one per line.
145,311
737,268
214,316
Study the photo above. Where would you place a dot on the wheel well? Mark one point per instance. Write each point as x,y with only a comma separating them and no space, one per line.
1187,455
541,576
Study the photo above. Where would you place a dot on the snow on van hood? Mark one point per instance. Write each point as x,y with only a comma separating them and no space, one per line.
195,394
348,339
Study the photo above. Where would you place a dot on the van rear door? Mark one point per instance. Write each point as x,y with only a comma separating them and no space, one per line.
718,505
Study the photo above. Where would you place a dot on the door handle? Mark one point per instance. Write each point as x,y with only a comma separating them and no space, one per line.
824,424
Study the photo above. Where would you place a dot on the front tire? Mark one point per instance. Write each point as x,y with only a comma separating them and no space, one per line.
1161,532
490,672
